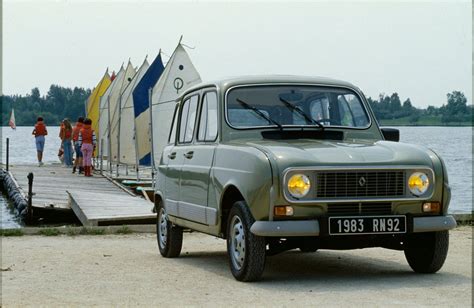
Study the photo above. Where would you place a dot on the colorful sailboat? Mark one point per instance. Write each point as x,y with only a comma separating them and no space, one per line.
12,121
179,75
103,140
126,147
141,104
114,109
93,103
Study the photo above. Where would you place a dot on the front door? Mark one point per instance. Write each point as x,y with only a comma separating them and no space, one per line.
174,153
197,164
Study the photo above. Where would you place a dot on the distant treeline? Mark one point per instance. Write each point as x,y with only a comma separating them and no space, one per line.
61,102
390,110
57,104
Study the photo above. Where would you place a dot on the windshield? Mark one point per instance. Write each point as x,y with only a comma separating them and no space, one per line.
260,106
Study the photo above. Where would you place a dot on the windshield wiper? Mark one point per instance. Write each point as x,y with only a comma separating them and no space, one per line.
261,114
302,113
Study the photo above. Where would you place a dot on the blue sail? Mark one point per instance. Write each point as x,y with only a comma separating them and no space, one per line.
142,111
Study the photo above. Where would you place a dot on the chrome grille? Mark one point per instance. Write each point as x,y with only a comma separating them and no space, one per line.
343,209
360,184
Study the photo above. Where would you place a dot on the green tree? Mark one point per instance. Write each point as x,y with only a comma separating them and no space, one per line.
456,109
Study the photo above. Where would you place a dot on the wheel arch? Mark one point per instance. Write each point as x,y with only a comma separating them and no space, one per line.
158,199
230,195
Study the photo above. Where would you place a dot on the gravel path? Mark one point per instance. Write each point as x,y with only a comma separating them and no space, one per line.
126,270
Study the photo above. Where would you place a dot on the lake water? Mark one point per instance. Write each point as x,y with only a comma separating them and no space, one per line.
454,144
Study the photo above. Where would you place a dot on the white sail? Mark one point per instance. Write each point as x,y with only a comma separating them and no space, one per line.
114,109
179,75
103,140
12,121
126,126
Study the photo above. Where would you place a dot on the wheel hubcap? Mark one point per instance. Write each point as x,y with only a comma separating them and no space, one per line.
237,242
163,228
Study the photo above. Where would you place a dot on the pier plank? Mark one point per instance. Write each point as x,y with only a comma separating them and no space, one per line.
94,200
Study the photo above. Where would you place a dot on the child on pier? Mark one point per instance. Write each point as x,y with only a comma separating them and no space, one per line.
65,134
77,147
87,140
39,132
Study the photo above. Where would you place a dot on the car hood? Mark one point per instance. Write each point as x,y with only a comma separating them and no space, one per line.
294,153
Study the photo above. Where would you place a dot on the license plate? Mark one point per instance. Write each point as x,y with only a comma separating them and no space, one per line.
367,225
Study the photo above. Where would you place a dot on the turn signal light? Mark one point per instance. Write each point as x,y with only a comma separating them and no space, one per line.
283,210
431,207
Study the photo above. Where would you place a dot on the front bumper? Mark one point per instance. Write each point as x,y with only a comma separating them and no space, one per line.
290,228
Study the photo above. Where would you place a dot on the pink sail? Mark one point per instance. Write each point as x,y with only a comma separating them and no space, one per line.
12,122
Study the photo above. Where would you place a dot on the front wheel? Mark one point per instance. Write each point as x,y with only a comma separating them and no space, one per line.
246,251
169,237
426,252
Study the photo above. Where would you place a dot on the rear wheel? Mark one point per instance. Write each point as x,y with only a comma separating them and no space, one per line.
246,251
426,252
169,236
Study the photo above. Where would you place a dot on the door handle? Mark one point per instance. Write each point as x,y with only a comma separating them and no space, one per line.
189,154
172,155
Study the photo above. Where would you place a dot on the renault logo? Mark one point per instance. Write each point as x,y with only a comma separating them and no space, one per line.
362,181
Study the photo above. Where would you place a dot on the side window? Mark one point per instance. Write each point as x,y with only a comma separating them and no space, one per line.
188,118
172,137
208,121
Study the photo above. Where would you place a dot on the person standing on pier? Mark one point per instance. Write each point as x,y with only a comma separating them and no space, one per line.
77,147
87,140
39,132
66,137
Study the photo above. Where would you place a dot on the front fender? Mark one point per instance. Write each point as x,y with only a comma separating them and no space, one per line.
248,169
441,174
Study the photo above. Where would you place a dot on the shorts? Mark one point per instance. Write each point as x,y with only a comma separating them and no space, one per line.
39,143
77,149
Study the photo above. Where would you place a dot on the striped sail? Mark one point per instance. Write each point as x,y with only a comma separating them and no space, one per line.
93,103
126,125
114,109
179,75
141,103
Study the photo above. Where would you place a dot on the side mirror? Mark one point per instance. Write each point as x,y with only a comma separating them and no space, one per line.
391,134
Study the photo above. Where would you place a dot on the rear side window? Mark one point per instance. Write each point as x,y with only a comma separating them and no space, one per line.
188,119
208,121
174,125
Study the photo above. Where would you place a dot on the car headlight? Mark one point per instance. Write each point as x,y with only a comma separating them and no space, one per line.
418,183
299,185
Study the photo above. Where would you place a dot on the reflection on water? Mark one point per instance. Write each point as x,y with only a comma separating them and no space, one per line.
8,220
454,144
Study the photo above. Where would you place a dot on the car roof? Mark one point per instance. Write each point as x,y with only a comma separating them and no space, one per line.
226,83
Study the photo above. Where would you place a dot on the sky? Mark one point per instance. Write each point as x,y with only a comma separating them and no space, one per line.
422,49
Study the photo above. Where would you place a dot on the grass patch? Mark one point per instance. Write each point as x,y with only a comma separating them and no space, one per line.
49,232
124,230
90,231
72,232
11,232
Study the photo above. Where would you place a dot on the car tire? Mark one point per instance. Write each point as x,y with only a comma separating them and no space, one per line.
246,251
169,236
426,252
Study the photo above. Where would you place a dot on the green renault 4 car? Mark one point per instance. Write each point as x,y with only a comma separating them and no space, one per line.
274,163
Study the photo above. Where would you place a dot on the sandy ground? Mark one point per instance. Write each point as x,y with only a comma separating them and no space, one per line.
127,270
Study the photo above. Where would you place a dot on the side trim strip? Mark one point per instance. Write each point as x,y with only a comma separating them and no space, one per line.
193,212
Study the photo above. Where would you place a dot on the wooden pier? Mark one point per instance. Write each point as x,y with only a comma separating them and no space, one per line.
96,200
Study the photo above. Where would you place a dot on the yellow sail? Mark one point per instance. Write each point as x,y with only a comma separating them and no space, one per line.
94,101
